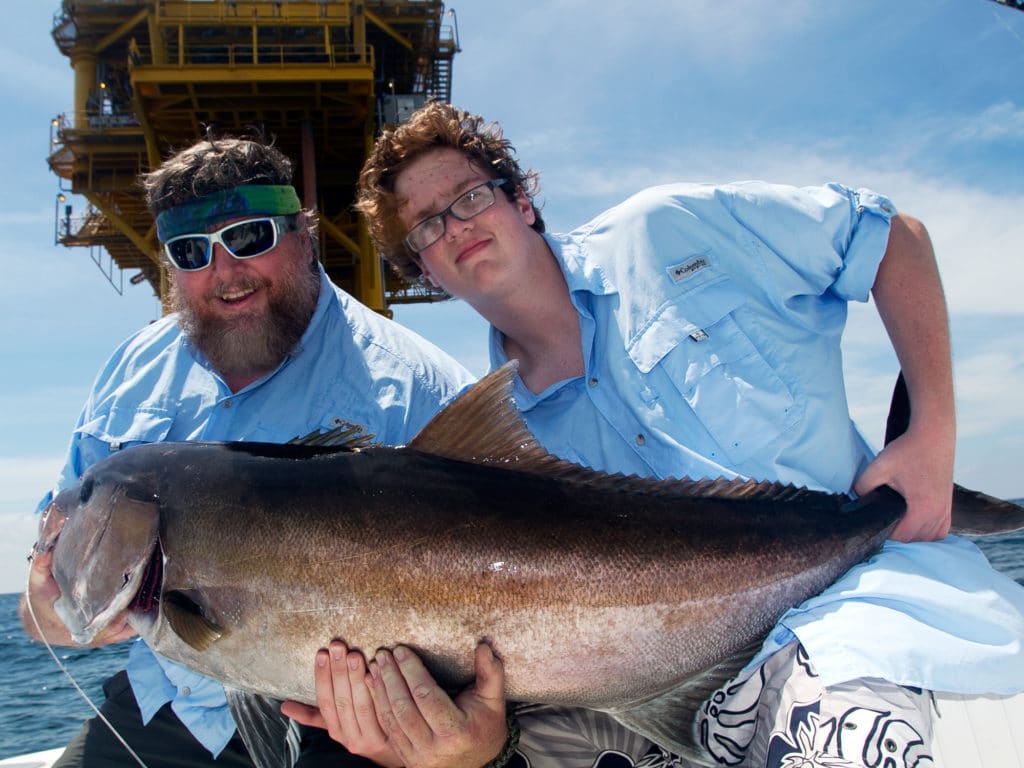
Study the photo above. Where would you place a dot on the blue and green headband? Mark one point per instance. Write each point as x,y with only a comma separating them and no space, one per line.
248,200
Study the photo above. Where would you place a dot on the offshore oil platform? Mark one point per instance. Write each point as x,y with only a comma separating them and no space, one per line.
320,77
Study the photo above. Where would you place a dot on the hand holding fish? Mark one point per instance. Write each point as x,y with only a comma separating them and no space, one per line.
43,591
426,727
345,706
397,715
919,466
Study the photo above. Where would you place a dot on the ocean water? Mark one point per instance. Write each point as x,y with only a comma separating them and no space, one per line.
40,709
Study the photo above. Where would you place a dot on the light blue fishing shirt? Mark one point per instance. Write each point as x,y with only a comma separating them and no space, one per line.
351,366
711,319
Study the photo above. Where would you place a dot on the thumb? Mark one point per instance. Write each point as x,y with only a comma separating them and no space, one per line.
873,476
490,674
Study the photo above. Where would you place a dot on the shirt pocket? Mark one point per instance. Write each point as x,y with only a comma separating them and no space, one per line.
122,427
711,362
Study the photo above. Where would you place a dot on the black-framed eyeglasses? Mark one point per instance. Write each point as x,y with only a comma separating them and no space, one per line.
242,239
465,207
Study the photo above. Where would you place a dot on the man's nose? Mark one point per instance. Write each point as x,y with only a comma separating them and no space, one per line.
221,260
453,226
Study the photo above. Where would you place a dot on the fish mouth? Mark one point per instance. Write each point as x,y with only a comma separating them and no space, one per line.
147,596
142,601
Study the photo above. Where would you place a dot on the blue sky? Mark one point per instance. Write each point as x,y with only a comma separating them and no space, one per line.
919,99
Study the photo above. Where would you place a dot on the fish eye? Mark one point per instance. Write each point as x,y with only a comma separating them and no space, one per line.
86,491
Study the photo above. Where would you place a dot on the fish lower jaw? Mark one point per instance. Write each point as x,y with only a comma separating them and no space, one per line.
138,594
86,633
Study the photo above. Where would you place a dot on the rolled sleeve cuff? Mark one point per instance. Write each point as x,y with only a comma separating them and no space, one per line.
869,238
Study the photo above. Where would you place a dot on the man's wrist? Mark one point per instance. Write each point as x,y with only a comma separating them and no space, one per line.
510,746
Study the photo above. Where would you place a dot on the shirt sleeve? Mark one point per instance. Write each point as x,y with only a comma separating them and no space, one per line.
812,240
869,238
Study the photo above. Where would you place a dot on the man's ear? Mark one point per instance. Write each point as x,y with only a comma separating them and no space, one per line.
525,206
302,230
426,272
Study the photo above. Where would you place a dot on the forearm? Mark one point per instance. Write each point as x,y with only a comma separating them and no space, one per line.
919,463
910,301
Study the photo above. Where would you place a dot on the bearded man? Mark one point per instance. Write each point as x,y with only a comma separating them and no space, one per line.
261,346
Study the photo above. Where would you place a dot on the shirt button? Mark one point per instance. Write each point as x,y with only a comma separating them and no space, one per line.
186,691
640,440
592,382
226,403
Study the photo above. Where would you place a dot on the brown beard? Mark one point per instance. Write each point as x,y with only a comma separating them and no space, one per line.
255,343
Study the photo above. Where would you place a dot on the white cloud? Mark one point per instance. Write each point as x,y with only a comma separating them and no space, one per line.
19,535
982,381
978,234
24,481
1000,121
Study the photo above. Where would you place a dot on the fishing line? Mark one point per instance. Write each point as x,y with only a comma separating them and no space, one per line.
62,668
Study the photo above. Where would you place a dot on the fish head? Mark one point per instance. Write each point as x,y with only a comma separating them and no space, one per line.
107,540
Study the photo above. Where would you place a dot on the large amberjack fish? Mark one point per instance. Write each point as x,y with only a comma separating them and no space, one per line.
631,596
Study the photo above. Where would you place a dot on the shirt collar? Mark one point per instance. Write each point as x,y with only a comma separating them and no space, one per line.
580,273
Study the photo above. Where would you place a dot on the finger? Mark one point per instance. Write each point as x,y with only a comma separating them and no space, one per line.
303,713
432,712
923,524
327,696
364,711
118,630
41,584
872,477
341,689
490,675
394,704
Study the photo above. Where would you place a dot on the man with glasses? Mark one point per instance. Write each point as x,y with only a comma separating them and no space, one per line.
262,347
694,330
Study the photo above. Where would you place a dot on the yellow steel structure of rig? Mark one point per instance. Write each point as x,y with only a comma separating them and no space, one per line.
318,76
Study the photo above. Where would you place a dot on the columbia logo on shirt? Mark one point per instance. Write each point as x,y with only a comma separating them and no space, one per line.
680,272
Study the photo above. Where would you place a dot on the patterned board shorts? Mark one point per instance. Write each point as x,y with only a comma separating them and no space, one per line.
779,717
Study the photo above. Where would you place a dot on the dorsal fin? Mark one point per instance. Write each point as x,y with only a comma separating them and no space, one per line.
347,436
483,426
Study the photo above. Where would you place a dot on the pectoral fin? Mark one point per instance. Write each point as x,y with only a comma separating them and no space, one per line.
668,719
190,621
271,739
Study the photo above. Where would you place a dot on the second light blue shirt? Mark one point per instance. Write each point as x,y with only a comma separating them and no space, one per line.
711,320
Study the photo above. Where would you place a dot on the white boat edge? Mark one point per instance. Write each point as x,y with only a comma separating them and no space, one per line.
43,759
981,731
